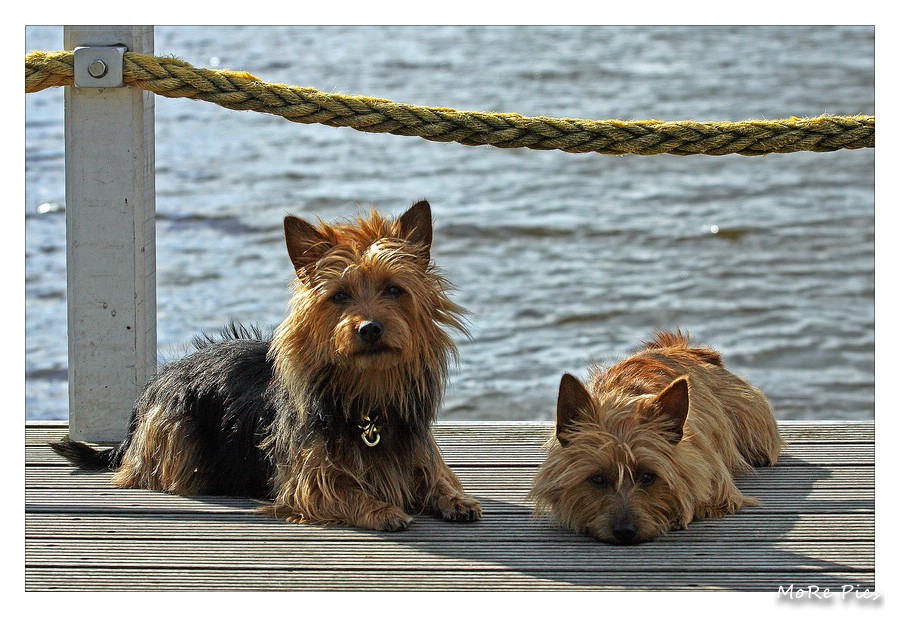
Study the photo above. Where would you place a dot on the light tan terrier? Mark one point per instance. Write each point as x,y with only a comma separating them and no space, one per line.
653,443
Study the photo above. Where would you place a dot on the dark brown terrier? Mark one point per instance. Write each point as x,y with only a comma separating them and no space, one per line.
330,420
653,443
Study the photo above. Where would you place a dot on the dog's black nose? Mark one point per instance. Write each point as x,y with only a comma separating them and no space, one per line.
624,532
370,331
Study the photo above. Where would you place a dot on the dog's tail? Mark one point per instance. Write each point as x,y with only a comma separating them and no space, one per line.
87,457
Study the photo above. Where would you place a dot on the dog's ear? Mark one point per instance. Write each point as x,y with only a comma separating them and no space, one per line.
572,401
671,405
305,245
416,225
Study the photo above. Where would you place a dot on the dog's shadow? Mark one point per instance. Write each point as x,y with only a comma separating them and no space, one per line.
777,544
780,543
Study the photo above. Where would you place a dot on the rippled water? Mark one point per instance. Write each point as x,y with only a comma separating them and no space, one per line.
562,259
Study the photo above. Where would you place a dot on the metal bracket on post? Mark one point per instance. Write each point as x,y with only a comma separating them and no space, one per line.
100,66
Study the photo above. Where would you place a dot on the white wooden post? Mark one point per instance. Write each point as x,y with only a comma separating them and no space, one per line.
110,242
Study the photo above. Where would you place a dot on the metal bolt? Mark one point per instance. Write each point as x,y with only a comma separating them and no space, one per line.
97,68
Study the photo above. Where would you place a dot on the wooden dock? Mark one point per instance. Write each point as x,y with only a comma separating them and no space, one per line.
816,527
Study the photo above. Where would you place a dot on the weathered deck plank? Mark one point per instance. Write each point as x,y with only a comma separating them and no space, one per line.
815,527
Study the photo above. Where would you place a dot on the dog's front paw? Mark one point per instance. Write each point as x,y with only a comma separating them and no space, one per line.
459,507
388,518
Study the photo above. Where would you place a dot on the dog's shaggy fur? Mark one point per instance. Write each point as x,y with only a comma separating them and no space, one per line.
330,420
653,443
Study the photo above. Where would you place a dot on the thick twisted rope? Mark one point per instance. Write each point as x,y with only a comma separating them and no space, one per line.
175,78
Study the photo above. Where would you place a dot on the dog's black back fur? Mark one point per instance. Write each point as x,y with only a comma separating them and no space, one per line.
224,391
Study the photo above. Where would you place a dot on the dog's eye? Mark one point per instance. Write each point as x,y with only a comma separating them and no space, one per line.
392,291
340,297
646,479
599,481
